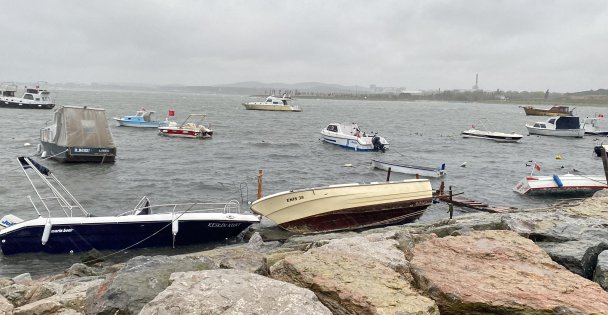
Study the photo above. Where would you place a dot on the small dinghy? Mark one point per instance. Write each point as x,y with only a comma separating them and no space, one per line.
409,169
146,225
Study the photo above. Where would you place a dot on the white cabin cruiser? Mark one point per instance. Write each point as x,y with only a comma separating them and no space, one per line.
566,126
348,135
274,103
33,98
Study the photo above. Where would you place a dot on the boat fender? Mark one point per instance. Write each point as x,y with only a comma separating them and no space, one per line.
558,181
175,227
47,232
43,155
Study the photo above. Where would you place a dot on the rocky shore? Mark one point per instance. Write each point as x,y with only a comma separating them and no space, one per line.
543,261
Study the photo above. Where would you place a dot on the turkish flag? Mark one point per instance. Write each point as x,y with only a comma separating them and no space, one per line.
537,167
171,113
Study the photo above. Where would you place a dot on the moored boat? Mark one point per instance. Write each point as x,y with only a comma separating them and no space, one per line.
558,127
409,169
346,206
567,184
141,119
348,135
36,97
192,127
491,135
556,110
273,103
78,134
144,226
591,125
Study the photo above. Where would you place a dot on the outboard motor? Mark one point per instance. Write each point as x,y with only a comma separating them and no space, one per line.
378,146
598,150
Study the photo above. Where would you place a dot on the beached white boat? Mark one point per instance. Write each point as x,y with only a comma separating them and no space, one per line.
568,184
348,135
347,206
273,103
558,127
409,169
491,135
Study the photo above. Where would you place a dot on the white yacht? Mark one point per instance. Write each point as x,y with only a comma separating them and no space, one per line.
566,126
35,97
273,103
348,135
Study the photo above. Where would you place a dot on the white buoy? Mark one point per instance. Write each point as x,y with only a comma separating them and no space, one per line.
27,144
47,232
463,164
348,165
43,155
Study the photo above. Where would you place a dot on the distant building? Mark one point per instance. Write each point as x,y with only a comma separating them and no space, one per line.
476,86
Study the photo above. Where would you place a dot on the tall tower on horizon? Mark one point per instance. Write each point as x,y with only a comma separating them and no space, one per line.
476,86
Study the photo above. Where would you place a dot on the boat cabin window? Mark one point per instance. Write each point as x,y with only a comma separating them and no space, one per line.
28,97
275,102
37,98
551,121
269,100
284,102
8,93
333,128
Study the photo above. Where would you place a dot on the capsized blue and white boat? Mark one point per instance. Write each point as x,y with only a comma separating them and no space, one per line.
76,230
141,119
409,169
348,135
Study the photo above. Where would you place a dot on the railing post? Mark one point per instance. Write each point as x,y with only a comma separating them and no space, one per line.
388,174
260,174
451,205
605,162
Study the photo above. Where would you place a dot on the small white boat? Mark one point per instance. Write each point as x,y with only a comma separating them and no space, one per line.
410,169
491,135
274,103
348,135
192,128
141,119
568,184
346,206
592,126
567,126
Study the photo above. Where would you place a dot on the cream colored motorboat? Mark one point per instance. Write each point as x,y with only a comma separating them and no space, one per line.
274,103
346,206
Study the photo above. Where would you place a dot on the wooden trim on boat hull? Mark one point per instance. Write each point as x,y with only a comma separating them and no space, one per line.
360,217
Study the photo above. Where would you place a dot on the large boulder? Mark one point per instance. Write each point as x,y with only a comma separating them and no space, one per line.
500,272
596,206
228,291
71,303
601,270
572,241
6,307
359,275
137,283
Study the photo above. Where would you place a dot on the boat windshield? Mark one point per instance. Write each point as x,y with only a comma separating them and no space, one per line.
568,123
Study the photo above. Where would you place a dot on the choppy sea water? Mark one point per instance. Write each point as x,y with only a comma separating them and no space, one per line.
286,147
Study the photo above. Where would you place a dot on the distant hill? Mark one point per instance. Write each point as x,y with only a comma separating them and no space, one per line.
589,93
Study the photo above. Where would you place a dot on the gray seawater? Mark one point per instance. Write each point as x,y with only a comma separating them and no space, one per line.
285,146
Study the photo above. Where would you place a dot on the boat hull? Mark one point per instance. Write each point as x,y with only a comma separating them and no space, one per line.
346,207
572,133
494,136
78,154
408,169
272,107
560,185
25,105
530,111
82,234
180,133
150,124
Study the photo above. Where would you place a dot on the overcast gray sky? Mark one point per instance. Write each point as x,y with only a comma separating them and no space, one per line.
417,44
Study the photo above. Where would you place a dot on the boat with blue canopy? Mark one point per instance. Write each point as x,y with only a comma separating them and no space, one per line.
141,119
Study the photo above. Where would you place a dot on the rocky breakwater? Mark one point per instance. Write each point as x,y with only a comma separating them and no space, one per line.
546,261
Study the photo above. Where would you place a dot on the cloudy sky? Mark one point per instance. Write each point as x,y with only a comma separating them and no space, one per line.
430,44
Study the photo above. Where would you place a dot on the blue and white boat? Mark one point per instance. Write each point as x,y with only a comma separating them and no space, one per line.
76,230
141,119
348,135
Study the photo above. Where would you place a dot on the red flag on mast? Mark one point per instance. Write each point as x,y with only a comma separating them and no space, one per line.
171,113
536,167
